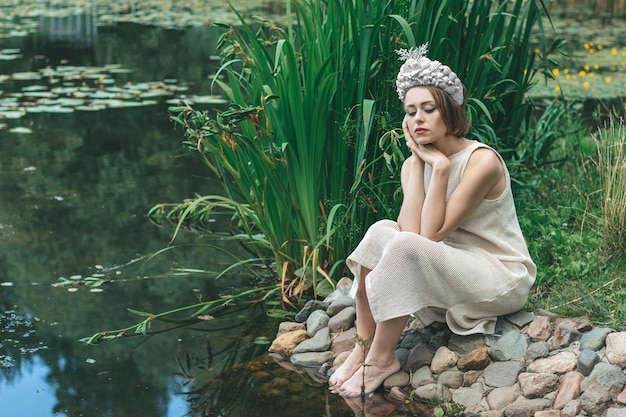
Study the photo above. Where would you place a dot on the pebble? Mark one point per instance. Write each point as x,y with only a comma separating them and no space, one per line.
535,365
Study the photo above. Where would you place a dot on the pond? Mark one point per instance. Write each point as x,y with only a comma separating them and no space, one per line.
86,149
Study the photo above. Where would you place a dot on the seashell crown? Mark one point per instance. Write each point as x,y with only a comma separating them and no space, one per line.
418,70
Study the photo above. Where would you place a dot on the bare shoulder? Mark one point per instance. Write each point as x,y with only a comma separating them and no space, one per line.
487,161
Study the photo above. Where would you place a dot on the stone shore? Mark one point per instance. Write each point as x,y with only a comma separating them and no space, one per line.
534,365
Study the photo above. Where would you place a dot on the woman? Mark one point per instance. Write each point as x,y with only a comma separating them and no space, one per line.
456,253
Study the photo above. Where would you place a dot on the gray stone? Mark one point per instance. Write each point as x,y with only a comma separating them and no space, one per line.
451,378
421,355
587,359
616,348
537,385
537,350
502,374
342,320
594,339
605,382
465,344
512,345
399,379
443,360
422,376
317,320
311,359
432,392
309,307
616,412
499,398
520,318
318,343
468,396
526,408
563,336
339,304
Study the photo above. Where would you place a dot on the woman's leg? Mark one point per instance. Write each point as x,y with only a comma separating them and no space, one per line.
365,327
380,362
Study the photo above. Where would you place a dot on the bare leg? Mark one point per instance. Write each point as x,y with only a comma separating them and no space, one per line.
380,362
365,327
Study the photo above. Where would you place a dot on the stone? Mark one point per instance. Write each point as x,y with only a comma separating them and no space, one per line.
311,359
289,326
512,345
339,304
342,320
491,413
344,341
621,397
469,377
587,359
526,408
540,329
318,343
443,360
594,339
571,409
285,343
399,379
340,358
422,376
548,413
317,320
465,344
616,412
569,389
563,336
520,318
502,374
468,396
604,383
616,349
432,392
477,359
560,363
451,378
537,350
537,385
421,355
499,398
309,307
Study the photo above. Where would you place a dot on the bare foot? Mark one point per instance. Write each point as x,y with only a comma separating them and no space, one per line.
375,370
347,368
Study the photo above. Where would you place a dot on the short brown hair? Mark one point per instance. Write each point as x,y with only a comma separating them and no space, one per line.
452,114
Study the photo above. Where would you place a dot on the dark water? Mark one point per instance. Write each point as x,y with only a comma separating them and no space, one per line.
74,194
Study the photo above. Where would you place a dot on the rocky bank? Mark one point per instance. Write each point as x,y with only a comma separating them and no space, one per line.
535,365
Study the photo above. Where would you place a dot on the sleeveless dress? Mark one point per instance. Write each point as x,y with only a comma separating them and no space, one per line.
480,271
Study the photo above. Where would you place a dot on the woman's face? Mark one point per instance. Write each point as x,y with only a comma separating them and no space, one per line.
422,116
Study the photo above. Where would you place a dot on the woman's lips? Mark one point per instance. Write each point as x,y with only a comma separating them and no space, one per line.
420,130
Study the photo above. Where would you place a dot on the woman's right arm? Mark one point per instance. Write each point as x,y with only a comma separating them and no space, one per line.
412,179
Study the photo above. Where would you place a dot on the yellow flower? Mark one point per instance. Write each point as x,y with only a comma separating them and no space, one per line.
586,45
599,47
568,77
613,67
555,72
566,71
591,75
614,51
557,89
596,66
586,67
537,50
586,84
591,51
582,73
607,80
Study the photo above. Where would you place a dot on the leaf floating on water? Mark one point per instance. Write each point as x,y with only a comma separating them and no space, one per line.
21,130
96,290
72,289
6,284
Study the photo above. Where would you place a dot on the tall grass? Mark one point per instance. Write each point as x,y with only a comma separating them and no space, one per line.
611,165
309,149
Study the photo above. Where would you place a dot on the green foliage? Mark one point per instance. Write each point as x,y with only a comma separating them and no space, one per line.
308,150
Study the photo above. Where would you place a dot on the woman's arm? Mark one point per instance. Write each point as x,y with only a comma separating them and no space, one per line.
412,179
483,177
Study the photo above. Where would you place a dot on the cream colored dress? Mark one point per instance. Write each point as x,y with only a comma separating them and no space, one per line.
479,272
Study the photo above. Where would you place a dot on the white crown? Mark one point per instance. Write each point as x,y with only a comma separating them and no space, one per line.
418,70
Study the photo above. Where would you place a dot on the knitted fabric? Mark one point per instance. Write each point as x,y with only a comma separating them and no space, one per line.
480,271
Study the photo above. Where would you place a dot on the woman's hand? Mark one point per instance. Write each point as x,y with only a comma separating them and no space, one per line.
410,141
431,155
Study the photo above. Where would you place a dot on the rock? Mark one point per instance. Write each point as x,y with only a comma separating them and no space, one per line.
311,359
422,376
526,408
451,378
587,359
468,396
537,385
318,343
477,359
317,320
512,345
621,397
342,320
616,348
344,341
285,343
569,389
548,413
341,302
520,318
502,374
594,339
571,409
563,336
540,329
443,360
289,326
499,398
616,412
465,344
604,383
560,363
340,358
421,355
432,392
399,379
309,307
537,350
